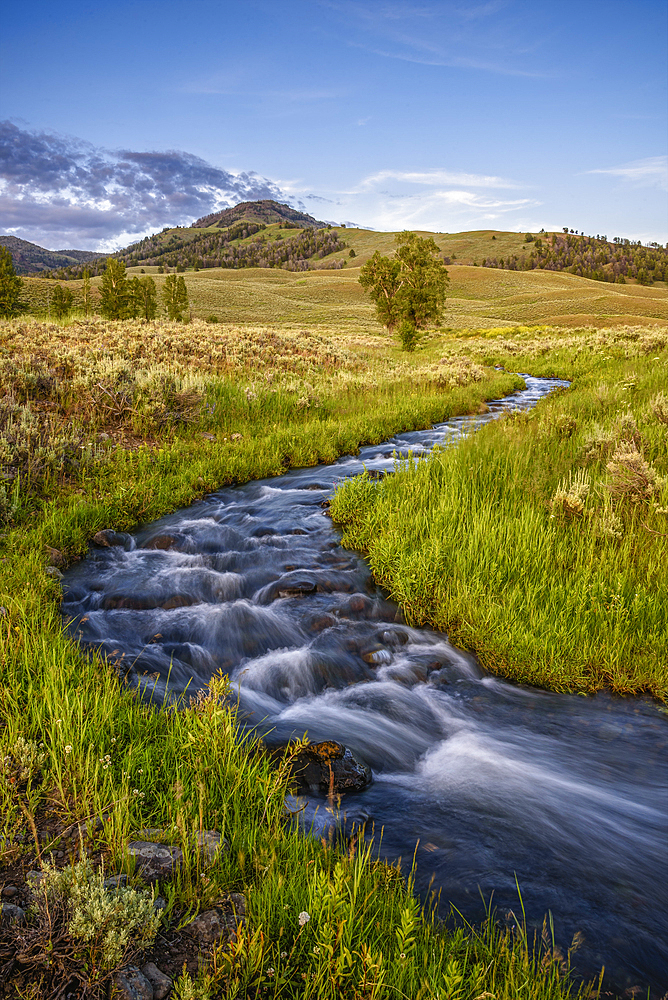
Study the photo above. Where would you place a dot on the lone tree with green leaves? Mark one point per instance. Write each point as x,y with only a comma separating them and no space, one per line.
175,296
10,285
115,293
409,288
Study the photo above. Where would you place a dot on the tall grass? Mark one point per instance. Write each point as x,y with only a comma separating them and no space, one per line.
540,542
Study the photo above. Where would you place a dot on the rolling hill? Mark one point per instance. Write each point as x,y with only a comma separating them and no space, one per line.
29,258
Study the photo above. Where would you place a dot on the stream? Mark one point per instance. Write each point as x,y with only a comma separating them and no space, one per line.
496,781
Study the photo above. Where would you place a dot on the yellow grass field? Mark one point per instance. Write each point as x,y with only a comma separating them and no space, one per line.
478,297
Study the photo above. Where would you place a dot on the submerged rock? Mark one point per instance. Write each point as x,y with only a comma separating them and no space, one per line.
108,538
329,766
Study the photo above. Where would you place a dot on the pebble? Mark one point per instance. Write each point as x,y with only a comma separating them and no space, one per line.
53,572
161,983
12,913
131,984
55,556
9,891
155,861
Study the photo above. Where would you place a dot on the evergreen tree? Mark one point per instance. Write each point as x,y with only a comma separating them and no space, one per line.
145,296
114,298
61,301
175,296
10,285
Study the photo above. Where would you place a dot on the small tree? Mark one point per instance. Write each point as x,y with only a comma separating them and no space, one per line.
114,298
408,289
61,301
175,296
145,297
10,285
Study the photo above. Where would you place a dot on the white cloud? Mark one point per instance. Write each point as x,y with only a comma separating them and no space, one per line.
435,199
437,176
652,171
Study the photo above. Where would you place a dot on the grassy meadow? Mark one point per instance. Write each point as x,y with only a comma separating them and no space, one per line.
332,300
104,425
111,424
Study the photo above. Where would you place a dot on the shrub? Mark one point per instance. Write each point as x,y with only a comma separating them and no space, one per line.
632,478
659,406
568,501
112,923
23,761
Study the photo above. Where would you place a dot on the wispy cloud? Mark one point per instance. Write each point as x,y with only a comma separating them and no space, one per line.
437,176
434,199
64,192
455,35
649,172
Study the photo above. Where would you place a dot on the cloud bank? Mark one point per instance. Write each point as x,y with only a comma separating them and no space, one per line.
63,193
60,191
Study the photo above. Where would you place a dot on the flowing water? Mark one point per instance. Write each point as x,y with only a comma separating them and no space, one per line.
496,781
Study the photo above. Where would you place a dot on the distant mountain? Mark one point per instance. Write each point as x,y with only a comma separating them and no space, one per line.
258,211
31,259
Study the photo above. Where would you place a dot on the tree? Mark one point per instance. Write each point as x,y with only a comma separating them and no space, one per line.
409,288
10,285
380,278
115,295
145,297
62,301
175,296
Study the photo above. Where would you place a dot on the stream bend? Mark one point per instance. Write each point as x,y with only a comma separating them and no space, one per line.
568,793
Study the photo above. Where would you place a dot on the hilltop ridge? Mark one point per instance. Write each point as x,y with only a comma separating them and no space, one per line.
266,211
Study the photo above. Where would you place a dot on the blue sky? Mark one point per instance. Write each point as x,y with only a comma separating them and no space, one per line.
122,118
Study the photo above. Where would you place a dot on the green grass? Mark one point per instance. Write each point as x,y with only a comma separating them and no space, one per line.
478,542
108,755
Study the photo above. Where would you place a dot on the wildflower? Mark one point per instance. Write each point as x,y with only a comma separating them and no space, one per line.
316,950
113,739
140,771
284,954
270,972
68,749
402,955
304,918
